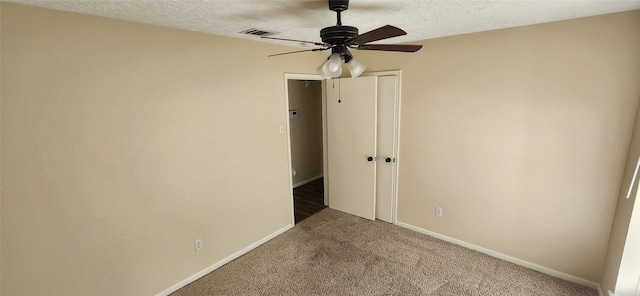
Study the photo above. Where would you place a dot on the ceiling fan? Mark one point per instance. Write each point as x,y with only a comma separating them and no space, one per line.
341,38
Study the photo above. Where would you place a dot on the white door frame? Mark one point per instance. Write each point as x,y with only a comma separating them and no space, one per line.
294,76
628,280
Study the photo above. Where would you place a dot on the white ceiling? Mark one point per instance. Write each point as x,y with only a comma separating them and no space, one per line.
303,19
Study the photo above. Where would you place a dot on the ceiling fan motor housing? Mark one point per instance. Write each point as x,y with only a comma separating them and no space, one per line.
338,34
338,5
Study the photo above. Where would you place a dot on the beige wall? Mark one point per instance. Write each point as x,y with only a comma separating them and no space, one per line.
306,130
521,135
124,143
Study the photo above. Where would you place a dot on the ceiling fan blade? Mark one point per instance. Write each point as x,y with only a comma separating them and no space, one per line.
384,32
390,47
297,51
301,41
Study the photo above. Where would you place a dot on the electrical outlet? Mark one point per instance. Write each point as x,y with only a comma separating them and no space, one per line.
439,211
198,245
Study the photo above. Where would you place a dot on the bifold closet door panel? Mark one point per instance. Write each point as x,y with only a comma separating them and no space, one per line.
385,167
351,145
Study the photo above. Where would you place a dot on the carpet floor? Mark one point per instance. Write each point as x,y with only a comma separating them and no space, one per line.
333,253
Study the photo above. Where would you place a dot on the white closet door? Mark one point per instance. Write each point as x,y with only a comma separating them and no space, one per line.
351,145
385,167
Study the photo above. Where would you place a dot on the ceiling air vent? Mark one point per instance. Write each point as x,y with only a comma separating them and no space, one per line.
257,32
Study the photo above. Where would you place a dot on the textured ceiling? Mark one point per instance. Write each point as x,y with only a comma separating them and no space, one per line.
303,19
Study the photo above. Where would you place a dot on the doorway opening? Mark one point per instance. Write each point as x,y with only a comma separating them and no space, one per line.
305,107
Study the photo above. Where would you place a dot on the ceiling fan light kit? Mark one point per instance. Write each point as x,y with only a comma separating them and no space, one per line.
341,38
332,67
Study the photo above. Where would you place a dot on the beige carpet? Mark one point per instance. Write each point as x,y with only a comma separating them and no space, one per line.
333,253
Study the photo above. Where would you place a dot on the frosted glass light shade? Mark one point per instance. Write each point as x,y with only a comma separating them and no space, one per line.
322,73
356,67
325,71
333,65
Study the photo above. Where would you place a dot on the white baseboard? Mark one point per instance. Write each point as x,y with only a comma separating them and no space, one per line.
508,258
307,181
222,262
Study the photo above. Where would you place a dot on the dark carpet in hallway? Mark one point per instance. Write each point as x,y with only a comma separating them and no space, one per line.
308,199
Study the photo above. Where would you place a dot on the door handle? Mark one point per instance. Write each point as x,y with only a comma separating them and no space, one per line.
388,159
370,158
